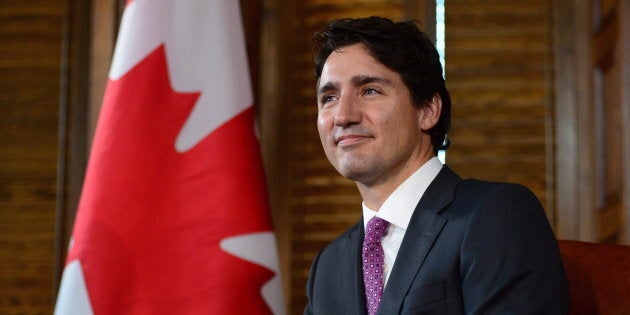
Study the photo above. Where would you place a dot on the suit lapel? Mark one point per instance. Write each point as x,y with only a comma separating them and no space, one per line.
352,272
425,226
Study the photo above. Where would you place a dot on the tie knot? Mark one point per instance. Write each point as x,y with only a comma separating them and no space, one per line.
375,230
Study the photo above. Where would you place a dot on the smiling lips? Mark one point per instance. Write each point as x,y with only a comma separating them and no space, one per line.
349,140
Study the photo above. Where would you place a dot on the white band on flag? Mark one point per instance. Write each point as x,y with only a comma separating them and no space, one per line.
73,297
260,249
199,51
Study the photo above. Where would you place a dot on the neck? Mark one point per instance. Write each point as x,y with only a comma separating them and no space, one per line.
375,194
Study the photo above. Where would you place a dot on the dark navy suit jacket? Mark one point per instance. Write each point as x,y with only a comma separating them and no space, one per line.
471,247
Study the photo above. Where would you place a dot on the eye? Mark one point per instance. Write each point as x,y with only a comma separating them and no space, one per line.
326,98
370,91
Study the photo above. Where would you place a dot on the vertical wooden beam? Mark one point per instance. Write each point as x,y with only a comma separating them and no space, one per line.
566,122
89,32
550,140
72,125
574,198
424,12
624,57
274,109
586,194
251,16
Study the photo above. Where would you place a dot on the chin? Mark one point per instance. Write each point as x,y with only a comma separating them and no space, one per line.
352,172
353,166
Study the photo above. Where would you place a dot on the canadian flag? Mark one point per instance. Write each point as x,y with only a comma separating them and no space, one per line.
173,216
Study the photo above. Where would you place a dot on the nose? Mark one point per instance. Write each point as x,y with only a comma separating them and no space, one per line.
347,111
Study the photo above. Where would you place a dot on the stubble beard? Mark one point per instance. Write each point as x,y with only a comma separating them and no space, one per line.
360,169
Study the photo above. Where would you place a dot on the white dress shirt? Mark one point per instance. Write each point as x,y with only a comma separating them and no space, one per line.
398,208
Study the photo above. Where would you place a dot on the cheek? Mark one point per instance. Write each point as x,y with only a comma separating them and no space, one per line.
400,126
323,124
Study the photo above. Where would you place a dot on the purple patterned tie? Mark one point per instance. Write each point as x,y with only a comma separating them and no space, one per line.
373,262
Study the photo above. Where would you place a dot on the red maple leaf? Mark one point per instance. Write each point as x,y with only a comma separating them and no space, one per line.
150,219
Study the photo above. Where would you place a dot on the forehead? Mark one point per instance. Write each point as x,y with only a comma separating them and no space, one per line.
351,61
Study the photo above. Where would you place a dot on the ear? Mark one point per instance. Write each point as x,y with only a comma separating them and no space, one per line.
430,112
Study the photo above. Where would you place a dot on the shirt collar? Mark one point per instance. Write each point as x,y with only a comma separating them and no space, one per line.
399,206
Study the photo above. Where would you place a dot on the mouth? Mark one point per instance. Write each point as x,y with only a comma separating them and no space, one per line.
350,140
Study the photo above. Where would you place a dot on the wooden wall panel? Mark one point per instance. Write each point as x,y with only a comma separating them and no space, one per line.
30,48
498,63
592,118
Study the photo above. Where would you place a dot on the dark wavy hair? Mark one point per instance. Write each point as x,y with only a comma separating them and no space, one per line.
401,47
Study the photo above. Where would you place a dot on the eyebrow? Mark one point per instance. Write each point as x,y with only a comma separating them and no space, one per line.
329,86
358,80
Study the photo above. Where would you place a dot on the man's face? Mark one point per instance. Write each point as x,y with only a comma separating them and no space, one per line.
369,128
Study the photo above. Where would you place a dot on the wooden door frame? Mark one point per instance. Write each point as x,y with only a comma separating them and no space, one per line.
574,157
624,57
572,90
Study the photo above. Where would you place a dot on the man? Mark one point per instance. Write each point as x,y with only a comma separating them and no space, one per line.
450,246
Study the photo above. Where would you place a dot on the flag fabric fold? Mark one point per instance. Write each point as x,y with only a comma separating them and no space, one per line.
173,216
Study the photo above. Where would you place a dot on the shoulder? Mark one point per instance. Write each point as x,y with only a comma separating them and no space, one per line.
496,195
497,210
502,212
508,250
488,187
